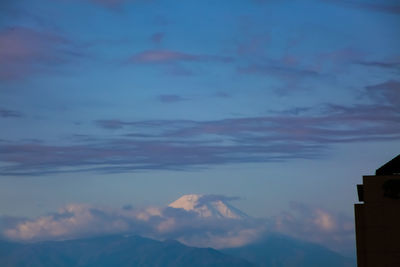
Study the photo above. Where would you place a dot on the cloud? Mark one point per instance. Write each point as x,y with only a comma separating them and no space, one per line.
313,224
381,64
109,3
169,56
222,95
318,225
8,222
389,7
213,198
170,98
24,51
305,133
386,93
280,71
175,62
111,124
82,220
335,60
116,4
157,37
72,221
7,113
253,44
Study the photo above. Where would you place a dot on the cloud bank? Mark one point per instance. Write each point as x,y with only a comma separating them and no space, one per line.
312,224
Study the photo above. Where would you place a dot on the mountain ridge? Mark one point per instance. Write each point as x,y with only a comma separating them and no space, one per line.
276,250
113,250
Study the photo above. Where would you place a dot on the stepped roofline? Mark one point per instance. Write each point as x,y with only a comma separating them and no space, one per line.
390,168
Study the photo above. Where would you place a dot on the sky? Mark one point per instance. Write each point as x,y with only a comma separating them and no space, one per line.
281,105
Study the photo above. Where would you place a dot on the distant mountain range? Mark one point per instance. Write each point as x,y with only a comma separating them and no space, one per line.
113,251
118,250
282,251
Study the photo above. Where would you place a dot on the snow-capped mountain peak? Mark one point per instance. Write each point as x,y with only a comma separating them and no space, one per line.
208,206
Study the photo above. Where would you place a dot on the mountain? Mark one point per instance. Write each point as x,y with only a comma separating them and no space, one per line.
281,251
207,206
112,251
273,251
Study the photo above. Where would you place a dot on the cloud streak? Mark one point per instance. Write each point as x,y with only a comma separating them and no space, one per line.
7,113
188,144
170,56
170,98
395,65
377,6
24,51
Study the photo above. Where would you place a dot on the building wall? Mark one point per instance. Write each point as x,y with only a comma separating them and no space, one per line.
378,222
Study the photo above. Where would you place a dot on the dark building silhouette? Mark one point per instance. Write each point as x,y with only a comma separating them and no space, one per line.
378,218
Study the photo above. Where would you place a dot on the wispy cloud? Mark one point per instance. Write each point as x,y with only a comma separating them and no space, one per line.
387,92
253,45
280,71
7,113
170,56
170,98
109,3
390,7
116,4
24,51
335,60
222,95
157,37
381,64
187,144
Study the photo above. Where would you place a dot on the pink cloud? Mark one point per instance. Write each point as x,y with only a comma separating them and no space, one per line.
169,56
21,44
161,56
22,49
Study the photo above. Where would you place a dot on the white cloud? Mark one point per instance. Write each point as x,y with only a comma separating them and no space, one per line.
318,225
80,220
312,224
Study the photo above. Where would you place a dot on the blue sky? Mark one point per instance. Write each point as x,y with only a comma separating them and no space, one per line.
117,102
